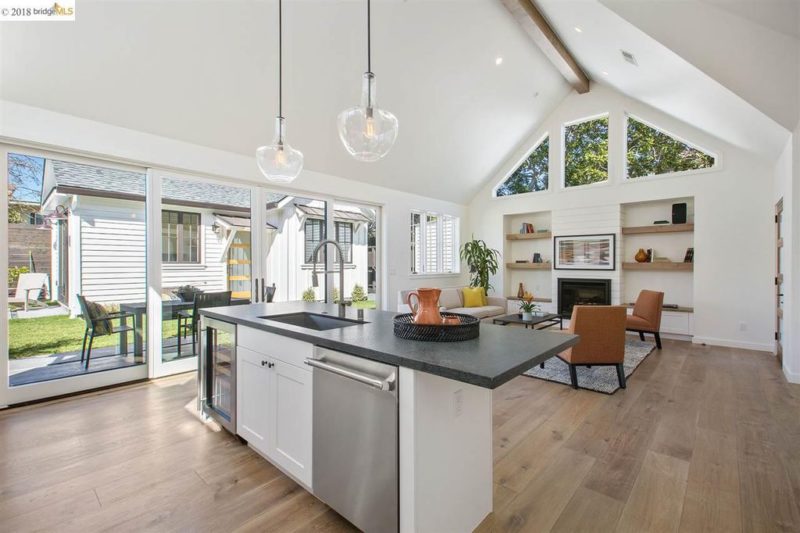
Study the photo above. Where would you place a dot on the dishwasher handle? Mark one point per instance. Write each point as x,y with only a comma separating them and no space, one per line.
381,384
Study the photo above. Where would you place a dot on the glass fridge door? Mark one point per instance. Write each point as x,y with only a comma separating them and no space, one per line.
219,371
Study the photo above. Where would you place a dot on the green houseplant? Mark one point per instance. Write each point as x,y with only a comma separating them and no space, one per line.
482,262
527,308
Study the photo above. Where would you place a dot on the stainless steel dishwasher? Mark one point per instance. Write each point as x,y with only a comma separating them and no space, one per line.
355,439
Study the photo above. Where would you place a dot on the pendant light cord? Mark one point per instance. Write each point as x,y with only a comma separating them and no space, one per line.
280,58
369,39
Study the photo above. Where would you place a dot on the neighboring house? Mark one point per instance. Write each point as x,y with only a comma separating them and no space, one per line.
99,249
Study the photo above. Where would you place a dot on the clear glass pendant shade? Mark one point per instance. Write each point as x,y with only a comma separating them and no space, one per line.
368,133
278,161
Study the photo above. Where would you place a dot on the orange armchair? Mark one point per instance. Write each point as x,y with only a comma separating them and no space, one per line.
646,317
601,329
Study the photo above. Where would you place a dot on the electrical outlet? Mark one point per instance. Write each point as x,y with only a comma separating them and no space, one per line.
742,326
458,403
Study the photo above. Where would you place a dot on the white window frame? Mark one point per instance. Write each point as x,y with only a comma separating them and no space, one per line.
518,164
626,179
563,151
440,259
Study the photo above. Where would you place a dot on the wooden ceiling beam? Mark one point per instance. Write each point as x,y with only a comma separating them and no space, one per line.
536,26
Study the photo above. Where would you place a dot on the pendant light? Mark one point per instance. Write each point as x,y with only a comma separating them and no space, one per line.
366,131
278,161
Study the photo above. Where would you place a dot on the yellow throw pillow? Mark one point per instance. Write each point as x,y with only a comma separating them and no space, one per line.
473,296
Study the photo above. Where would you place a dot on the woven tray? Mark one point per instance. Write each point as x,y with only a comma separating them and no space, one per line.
469,328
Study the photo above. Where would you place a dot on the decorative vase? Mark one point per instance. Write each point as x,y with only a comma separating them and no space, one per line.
520,291
426,311
641,256
527,316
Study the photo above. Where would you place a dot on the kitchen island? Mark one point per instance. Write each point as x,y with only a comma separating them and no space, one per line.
441,442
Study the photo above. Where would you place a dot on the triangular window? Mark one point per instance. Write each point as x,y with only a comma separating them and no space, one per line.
652,152
531,175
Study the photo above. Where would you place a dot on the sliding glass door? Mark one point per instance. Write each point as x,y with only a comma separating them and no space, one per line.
75,266
203,258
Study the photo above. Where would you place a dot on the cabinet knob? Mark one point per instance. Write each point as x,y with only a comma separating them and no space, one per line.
264,363
270,365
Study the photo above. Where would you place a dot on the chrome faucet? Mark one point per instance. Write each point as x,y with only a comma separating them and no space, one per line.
315,279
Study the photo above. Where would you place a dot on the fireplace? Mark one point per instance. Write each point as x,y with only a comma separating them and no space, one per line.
582,292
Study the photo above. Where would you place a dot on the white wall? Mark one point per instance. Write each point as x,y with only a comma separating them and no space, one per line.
36,126
733,269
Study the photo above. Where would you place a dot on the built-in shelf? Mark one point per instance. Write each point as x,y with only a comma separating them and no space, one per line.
678,309
530,266
537,300
668,266
658,228
528,236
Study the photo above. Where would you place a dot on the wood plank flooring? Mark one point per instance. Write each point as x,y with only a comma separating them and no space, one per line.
703,439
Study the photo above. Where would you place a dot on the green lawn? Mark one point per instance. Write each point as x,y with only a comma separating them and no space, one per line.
58,334
366,304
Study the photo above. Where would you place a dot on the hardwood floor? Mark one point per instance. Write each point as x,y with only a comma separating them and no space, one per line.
703,439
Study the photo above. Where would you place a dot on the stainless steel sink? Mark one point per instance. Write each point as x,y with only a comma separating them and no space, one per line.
314,321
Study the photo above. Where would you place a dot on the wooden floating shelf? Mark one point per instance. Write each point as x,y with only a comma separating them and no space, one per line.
668,266
537,300
528,236
658,228
530,266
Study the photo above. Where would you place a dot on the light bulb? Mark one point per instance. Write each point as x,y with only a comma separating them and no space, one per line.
367,132
278,161
369,129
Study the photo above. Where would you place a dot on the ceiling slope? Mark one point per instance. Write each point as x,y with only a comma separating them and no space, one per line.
662,78
207,75
750,47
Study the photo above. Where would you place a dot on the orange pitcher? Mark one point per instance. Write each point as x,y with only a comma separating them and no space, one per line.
427,309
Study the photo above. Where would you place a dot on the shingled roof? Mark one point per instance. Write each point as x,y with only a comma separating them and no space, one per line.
76,178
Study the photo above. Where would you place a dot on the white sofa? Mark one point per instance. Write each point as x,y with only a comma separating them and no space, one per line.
452,300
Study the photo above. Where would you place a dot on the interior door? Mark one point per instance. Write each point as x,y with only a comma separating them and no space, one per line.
779,267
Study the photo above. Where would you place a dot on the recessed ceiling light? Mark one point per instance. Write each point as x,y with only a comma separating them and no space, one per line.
578,29
604,73
498,60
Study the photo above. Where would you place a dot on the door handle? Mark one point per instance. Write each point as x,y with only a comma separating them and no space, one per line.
256,290
380,384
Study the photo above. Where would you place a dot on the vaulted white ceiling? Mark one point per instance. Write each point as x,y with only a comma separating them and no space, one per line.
204,72
733,98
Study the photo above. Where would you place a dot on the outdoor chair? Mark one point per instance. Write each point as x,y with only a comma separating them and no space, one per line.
98,324
187,320
29,287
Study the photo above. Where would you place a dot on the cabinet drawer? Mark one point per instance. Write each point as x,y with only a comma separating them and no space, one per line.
288,350
672,322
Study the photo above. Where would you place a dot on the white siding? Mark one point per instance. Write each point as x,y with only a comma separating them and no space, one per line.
113,261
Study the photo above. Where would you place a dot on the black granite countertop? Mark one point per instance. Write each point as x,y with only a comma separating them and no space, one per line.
499,354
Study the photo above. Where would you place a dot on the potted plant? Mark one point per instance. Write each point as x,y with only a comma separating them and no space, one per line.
482,262
527,307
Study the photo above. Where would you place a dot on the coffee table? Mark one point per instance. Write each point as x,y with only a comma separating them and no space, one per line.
544,320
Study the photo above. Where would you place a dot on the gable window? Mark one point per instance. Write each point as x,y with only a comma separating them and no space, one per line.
180,237
434,243
314,230
586,152
344,236
652,152
531,175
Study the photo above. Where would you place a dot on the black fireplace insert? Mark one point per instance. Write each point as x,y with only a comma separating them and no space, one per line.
573,292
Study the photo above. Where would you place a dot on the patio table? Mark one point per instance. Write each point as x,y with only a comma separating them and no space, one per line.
169,311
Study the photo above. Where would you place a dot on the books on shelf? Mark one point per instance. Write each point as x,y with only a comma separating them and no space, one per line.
527,227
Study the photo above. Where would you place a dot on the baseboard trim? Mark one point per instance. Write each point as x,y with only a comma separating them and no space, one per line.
727,343
791,377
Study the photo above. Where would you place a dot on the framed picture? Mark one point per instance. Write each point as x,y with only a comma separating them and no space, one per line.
585,252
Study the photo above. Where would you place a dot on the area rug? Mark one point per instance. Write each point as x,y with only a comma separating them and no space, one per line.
598,378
